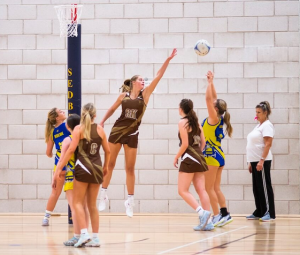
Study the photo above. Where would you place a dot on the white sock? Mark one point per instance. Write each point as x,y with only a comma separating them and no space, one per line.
199,210
95,235
103,189
83,231
47,214
130,197
77,236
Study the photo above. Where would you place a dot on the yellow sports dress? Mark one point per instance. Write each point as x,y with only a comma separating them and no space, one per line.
213,152
70,172
58,134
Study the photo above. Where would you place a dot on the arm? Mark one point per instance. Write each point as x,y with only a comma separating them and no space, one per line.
268,144
148,90
65,145
72,147
209,97
112,109
202,139
184,141
106,149
49,149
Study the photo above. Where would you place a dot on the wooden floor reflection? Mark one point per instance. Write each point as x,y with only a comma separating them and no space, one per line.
151,234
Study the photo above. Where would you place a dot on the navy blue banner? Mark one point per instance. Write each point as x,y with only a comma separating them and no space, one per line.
74,73
74,81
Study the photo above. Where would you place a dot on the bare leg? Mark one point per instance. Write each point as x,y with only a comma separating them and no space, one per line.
114,151
210,178
79,194
130,159
55,193
220,195
92,193
199,184
184,182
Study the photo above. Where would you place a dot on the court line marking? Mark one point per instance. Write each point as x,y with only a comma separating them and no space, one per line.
223,246
202,240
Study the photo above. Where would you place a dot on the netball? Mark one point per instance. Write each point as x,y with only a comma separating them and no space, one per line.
202,47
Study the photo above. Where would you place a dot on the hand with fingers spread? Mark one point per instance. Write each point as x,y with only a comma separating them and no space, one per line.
173,54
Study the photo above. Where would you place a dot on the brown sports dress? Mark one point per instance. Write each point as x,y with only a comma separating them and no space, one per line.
192,160
88,164
126,128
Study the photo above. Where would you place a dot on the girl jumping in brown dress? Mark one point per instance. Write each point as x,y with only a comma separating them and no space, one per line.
134,100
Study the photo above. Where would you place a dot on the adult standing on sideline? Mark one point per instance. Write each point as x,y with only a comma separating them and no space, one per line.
214,155
259,158
125,131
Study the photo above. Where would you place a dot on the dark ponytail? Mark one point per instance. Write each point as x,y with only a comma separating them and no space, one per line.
187,106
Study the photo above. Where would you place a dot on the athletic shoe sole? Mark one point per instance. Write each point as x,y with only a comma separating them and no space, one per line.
225,223
253,218
83,243
218,223
266,220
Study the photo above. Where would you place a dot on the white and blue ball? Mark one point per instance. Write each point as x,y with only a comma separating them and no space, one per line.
202,47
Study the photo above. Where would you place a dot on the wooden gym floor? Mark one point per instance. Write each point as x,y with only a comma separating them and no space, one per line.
151,234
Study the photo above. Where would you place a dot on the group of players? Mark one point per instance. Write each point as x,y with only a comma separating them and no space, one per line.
78,141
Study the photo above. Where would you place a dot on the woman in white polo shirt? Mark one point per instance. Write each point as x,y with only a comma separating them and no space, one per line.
259,158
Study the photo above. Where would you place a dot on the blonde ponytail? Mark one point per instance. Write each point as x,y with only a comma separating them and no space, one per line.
50,123
87,116
127,85
229,128
222,108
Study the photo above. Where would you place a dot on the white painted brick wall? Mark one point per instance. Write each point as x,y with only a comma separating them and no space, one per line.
255,57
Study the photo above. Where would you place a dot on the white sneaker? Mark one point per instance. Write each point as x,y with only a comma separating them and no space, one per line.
129,204
103,201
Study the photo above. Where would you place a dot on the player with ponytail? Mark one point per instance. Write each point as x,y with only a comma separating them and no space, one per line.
55,133
193,165
134,99
215,158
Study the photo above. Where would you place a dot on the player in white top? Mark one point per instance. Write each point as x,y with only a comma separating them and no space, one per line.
259,158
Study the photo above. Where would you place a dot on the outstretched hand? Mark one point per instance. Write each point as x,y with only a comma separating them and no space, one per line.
210,76
173,54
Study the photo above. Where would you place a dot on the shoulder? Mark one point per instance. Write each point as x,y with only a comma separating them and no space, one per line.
182,122
100,130
67,140
203,122
122,95
268,124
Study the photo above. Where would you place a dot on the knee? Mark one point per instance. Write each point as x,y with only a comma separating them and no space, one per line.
111,166
130,171
181,192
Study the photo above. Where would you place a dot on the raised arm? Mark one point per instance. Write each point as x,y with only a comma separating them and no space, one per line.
112,109
148,90
210,98
106,149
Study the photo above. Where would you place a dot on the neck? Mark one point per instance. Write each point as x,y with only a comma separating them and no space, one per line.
135,93
58,123
263,121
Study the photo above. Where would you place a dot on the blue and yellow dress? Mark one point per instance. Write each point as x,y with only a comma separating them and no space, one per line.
70,172
58,134
214,134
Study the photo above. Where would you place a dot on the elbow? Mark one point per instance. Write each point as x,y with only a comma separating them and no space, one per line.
49,154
